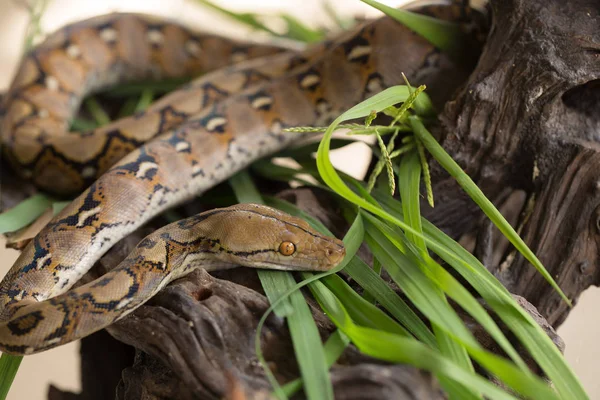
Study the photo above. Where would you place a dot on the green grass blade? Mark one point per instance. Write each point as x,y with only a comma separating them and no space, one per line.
297,30
95,109
145,100
371,282
57,206
9,365
366,294
446,36
458,354
249,19
459,294
24,213
360,310
410,178
500,300
409,174
334,347
441,314
82,124
308,348
274,288
543,350
415,284
479,198
137,88
375,103
395,348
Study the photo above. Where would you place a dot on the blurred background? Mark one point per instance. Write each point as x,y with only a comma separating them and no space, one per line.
60,366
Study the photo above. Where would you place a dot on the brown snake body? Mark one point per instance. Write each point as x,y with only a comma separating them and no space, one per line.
194,138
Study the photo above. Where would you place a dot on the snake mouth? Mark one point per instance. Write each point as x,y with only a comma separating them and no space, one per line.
314,264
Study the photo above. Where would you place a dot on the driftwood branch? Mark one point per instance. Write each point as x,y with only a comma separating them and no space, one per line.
528,118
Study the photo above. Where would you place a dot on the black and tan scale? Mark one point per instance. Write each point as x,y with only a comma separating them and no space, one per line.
194,138
211,240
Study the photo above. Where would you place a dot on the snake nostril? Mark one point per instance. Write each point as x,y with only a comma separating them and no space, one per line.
202,294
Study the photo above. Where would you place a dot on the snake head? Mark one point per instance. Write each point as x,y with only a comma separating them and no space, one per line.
258,236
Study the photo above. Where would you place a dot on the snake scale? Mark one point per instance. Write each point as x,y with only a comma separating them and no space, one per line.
186,142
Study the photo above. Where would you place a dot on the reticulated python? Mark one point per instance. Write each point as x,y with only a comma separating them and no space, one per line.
194,138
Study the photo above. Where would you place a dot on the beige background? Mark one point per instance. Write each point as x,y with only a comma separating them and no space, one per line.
60,366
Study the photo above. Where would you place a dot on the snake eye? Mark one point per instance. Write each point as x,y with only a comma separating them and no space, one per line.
287,248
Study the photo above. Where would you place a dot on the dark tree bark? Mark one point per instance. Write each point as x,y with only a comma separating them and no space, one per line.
528,118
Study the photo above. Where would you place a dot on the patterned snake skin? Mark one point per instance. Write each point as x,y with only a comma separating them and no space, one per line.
184,144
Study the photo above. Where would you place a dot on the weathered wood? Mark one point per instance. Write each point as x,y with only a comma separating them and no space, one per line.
528,118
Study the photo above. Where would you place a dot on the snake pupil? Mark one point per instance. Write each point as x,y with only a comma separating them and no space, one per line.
287,248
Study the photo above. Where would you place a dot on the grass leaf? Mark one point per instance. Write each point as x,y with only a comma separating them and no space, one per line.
9,365
334,347
297,30
409,175
24,213
419,289
249,19
395,348
501,301
98,113
446,36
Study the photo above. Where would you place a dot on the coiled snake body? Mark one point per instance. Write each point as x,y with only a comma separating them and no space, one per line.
183,144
